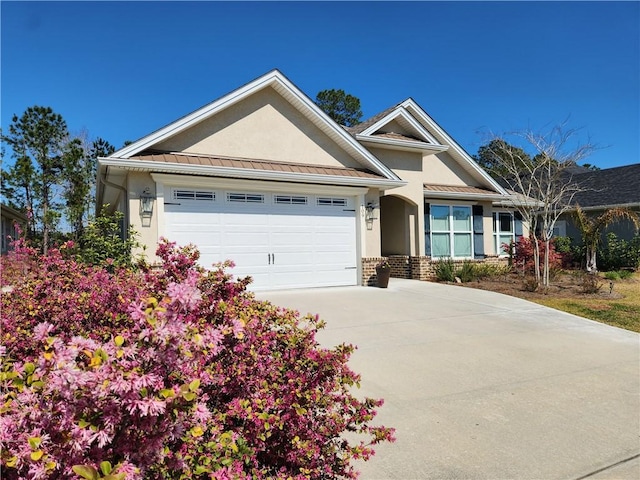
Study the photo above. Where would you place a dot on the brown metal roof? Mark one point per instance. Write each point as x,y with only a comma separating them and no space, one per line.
458,189
398,136
251,164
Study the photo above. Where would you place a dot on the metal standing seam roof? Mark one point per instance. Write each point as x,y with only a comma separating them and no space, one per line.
252,164
398,136
431,187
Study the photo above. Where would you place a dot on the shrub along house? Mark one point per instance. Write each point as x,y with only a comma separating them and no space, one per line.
263,177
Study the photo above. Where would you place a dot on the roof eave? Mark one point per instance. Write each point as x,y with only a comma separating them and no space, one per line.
463,196
230,172
607,206
400,144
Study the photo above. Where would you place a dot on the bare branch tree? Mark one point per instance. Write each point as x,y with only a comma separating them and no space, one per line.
542,185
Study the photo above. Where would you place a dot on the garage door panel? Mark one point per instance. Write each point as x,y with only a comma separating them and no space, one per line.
279,246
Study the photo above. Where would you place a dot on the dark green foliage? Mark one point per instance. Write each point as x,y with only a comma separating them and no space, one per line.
52,175
340,106
497,154
445,270
104,242
618,275
79,174
618,254
467,272
37,139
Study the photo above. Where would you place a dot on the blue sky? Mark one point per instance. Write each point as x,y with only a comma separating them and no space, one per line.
124,69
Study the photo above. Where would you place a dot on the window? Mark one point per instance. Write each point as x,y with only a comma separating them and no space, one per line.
451,231
194,195
331,202
503,231
245,197
560,228
289,200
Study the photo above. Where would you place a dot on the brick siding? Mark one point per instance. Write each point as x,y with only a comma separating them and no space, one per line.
416,268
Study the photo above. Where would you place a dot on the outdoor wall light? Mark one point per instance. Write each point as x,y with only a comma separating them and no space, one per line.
146,203
370,212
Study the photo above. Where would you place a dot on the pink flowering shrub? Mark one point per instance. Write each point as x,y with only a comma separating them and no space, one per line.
169,373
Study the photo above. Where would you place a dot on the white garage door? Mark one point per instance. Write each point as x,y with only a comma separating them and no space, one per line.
281,240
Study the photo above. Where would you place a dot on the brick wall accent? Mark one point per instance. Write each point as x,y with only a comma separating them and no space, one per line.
416,268
400,266
422,268
369,277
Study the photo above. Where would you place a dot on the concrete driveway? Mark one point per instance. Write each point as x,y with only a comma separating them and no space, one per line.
485,386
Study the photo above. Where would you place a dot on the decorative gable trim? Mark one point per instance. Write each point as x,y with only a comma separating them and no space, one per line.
456,150
289,92
402,116
423,141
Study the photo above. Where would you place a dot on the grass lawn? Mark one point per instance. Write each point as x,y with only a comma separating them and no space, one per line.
620,307
623,312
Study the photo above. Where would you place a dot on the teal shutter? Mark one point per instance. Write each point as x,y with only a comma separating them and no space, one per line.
478,234
427,229
517,226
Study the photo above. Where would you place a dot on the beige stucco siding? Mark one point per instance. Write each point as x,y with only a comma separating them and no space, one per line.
441,169
146,228
408,166
371,231
487,228
263,126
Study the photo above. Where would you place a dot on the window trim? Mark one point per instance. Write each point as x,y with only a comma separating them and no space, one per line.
245,197
182,194
452,231
497,233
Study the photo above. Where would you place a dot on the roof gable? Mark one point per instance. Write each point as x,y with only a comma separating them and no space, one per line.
291,94
454,150
397,129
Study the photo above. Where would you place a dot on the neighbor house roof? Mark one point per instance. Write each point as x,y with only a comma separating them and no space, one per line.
609,187
252,164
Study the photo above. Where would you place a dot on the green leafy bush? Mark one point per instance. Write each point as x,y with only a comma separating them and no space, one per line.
467,272
616,254
445,270
106,242
618,274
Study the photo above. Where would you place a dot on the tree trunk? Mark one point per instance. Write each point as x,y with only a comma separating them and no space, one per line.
545,278
591,259
536,258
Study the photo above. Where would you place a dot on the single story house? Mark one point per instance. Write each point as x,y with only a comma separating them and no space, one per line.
264,177
602,190
10,220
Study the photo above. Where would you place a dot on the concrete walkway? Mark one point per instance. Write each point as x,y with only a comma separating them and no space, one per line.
485,386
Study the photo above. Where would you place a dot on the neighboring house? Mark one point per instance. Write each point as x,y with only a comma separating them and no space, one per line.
602,190
10,217
265,178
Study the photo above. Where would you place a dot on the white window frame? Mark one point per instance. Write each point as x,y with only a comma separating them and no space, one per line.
497,232
189,194
451,232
